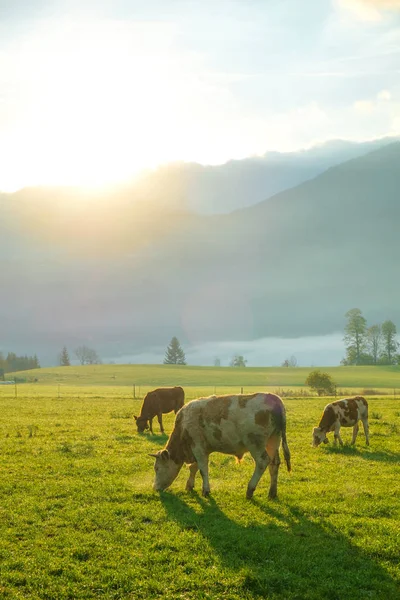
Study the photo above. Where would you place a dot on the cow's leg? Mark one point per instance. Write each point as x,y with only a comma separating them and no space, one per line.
366,429
355,432
202,463
151,425
262,461
273,452
337,435
193,468
159,417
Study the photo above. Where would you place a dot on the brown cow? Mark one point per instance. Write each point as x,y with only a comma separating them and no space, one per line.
157,403
231,425
347,413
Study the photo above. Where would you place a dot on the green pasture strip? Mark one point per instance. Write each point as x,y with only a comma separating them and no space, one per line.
381,377
67,392
79,519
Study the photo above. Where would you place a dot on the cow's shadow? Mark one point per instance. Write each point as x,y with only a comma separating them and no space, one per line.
155,438
366,454
282,553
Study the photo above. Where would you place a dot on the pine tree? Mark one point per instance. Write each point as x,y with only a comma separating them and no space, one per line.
174,354
64,358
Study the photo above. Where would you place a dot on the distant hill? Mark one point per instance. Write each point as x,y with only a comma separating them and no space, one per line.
122,276
241,183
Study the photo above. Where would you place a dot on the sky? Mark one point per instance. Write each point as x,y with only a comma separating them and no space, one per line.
327,350
91,92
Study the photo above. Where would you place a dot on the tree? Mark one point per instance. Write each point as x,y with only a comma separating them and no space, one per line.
217,362
389,340
322,383
290,362
87,356
355,335
64,358
374,342
174,355
238,361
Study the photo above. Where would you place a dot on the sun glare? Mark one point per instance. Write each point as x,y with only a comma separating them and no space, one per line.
104,102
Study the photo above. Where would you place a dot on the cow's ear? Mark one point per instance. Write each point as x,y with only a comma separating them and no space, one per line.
164,455
135,417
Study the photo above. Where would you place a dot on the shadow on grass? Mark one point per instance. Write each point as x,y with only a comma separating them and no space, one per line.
290,557
380,455
159,439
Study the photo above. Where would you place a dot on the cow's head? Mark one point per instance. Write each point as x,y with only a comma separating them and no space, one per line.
166,470
141,423
319,436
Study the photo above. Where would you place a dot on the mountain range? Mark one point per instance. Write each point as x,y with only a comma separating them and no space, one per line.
122,272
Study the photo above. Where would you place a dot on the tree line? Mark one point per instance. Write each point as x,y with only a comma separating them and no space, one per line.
373,345
11,362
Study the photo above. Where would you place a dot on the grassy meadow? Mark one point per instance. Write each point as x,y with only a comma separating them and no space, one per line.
79,519
383,378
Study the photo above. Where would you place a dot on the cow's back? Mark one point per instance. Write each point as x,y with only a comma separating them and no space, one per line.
228,424
164,400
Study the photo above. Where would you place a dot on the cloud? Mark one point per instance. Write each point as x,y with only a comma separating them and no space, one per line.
368,10
364,107
323,350
384,95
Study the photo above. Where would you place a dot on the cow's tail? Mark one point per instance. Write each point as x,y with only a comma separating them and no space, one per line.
285,447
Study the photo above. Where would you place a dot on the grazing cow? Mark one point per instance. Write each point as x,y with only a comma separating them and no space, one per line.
157,402
347,413
229,424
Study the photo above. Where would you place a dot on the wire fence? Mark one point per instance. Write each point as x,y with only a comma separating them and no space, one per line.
11,389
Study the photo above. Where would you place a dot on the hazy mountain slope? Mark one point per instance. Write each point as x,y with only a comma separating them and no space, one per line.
242,183
121,276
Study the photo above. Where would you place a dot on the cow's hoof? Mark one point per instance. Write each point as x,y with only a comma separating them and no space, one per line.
189,487
206,493
272,496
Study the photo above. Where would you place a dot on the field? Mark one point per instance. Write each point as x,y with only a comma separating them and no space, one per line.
79,520
386,379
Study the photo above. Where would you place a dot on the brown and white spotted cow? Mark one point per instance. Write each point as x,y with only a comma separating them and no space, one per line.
157,403
347,413
229,424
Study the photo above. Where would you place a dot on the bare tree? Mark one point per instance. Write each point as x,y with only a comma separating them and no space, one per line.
290,362
238,361
87,356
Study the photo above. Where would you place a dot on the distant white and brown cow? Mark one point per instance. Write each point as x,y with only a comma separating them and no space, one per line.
157,403
342,413
229,424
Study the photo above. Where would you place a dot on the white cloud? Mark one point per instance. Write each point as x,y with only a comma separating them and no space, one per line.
365,107
327,350
384,95
368,10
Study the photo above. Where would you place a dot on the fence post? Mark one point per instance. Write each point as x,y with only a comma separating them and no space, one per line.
134,391
241,390
16,390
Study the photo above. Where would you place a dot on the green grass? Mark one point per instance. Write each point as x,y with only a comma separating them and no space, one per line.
382,377
78,518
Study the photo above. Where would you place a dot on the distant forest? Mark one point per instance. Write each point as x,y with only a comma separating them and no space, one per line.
12,362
